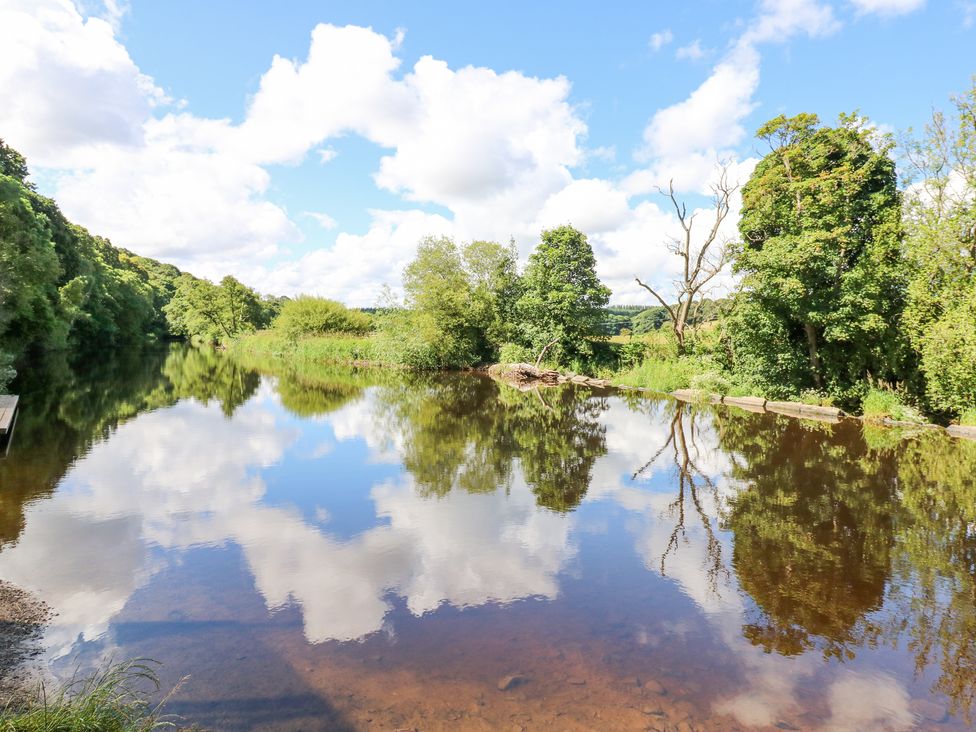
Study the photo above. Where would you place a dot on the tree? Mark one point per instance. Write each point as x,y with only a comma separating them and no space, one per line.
561,307
940,216
459,304
820,258
201,309
492,271
702,260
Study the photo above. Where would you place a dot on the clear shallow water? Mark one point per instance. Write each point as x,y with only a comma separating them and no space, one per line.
340,549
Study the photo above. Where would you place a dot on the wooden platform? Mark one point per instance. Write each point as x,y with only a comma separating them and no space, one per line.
8,408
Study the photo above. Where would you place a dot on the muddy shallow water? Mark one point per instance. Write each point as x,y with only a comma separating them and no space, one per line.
344,549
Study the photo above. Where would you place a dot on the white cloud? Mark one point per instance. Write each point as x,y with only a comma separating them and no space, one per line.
323,219
887,7
692,51
495,151
660,39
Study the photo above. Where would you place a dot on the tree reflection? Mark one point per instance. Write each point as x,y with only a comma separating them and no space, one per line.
466,432
814,531
684,446
937,564
67,406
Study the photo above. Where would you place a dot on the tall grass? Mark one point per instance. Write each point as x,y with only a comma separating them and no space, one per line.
879,404
115,699
334,348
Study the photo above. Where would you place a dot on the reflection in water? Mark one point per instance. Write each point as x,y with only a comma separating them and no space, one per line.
786,573
814,531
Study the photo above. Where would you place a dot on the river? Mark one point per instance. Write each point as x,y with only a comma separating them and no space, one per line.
350,549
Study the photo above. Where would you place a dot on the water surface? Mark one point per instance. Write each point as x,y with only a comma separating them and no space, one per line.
346,549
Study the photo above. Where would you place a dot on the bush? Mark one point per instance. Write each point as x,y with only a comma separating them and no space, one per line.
711,381
881,403
515,353
307,315
7,372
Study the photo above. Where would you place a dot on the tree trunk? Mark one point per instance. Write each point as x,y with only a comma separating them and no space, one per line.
812,349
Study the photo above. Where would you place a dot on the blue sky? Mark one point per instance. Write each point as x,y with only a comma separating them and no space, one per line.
167,127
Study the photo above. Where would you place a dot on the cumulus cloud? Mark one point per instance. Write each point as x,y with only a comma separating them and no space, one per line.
497,154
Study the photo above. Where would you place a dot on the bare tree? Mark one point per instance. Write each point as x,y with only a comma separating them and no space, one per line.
702,262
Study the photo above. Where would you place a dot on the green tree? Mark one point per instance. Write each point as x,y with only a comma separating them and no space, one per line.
561,308
823,277
203,310
940,215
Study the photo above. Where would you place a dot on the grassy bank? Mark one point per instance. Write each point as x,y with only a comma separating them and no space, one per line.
338,348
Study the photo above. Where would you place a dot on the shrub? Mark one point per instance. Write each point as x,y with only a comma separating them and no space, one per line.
515,353
711,381
7,372
881,403
307,315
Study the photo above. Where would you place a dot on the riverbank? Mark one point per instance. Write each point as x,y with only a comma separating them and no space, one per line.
657,372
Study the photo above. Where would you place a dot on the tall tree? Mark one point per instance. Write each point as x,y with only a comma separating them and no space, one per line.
823,281
561,307
702,258
940,316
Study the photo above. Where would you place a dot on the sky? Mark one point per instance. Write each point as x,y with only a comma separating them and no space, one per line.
306,147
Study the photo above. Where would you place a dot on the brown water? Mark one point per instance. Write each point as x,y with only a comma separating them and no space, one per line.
340,549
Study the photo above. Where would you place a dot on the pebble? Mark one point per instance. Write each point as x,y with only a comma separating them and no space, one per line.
653,711
576,681
511,681
655,687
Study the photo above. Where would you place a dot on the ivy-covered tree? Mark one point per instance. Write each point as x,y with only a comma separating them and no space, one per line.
822,276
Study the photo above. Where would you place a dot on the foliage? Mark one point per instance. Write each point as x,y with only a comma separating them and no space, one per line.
111,700
562,301
61,286
823,281
515,353
308,315
940,214
214,313
459,305
7,371
881,403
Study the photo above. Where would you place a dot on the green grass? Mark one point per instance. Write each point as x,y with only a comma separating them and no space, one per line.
879,404
112,700
968,417
321,349
662,375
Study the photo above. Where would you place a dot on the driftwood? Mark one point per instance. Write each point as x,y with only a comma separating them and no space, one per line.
527,376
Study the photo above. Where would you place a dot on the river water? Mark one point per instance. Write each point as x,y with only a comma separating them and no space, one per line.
332,548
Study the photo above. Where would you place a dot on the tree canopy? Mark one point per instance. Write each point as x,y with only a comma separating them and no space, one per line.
822,275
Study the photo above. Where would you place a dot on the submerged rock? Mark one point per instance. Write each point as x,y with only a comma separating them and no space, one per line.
511,681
